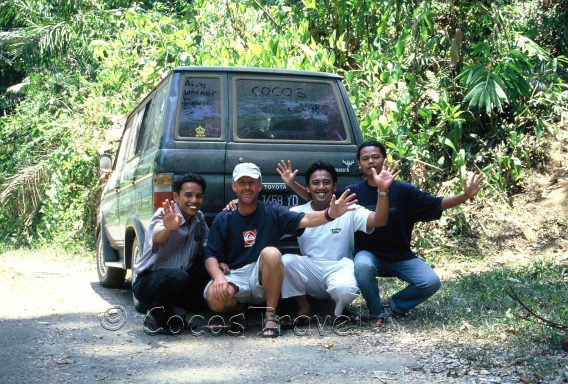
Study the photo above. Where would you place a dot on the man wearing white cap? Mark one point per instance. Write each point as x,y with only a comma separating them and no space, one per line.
245,239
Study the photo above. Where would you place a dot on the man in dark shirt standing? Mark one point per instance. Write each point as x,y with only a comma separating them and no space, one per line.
244,240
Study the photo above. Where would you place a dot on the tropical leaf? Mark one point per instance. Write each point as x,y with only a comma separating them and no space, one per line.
485,90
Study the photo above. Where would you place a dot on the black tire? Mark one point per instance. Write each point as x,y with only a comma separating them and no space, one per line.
109,277
136,253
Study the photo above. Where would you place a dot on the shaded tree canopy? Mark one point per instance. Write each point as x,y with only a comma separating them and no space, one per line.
447,86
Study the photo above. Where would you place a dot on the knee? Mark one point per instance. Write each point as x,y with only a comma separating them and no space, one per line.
214,304
178,279
431,284
271,257
364,267
344,293
435,284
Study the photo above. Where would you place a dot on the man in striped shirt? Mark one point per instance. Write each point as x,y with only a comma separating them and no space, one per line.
171,272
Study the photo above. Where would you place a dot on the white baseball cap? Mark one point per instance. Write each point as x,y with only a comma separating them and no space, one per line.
246,169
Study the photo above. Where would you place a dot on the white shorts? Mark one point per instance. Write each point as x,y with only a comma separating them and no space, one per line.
246,278
319,278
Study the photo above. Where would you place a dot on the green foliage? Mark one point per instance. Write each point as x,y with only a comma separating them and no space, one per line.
449,86
477,302
45,34
49,163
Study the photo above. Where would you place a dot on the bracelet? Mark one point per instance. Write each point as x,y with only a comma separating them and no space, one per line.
382,193
327,216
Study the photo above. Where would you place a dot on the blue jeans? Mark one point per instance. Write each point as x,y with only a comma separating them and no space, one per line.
421,278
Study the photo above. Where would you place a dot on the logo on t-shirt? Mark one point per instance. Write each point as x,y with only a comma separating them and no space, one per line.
335,231
249,238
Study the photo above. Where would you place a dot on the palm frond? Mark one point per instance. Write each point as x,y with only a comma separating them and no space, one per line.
36,43
23,189
18,13
37,34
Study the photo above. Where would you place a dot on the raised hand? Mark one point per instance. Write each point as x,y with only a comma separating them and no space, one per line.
337,207
170,218
473,185
384,179
286,172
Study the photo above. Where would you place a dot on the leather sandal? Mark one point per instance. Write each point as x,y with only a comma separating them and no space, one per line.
273,331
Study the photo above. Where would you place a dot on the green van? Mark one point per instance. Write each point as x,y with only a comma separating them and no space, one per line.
206,120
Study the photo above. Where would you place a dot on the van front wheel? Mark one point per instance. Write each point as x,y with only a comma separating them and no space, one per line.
109,277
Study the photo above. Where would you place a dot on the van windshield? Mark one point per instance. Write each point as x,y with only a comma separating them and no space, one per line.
288,110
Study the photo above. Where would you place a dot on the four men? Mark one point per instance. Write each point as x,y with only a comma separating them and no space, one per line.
246,267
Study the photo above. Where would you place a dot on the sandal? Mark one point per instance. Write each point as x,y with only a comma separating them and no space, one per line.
273,331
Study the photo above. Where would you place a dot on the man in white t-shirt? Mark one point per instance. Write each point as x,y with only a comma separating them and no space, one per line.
325,268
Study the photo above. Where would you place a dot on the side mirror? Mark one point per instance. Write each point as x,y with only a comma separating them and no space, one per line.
105,162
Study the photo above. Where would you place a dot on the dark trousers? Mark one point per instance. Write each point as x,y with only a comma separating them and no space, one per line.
173,288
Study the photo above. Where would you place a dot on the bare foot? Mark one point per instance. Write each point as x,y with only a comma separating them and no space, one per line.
377,323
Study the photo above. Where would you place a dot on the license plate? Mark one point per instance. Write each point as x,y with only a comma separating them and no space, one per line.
277,192
287,200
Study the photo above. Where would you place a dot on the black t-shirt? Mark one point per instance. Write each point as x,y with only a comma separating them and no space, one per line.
407,206
238,240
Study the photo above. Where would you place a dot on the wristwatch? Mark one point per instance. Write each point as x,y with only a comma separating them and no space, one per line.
382,193
327,216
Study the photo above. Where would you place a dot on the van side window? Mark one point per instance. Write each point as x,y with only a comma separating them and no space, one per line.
135,135
156,116
125,141
143,132
200,114
276,109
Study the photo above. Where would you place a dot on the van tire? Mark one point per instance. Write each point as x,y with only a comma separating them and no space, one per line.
136,254
109,277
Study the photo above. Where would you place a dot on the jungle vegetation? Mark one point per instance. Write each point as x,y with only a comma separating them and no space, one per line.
449,86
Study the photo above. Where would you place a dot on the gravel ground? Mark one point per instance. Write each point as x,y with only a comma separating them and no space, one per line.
51,331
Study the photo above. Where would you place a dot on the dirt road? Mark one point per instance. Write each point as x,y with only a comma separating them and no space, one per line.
51,332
